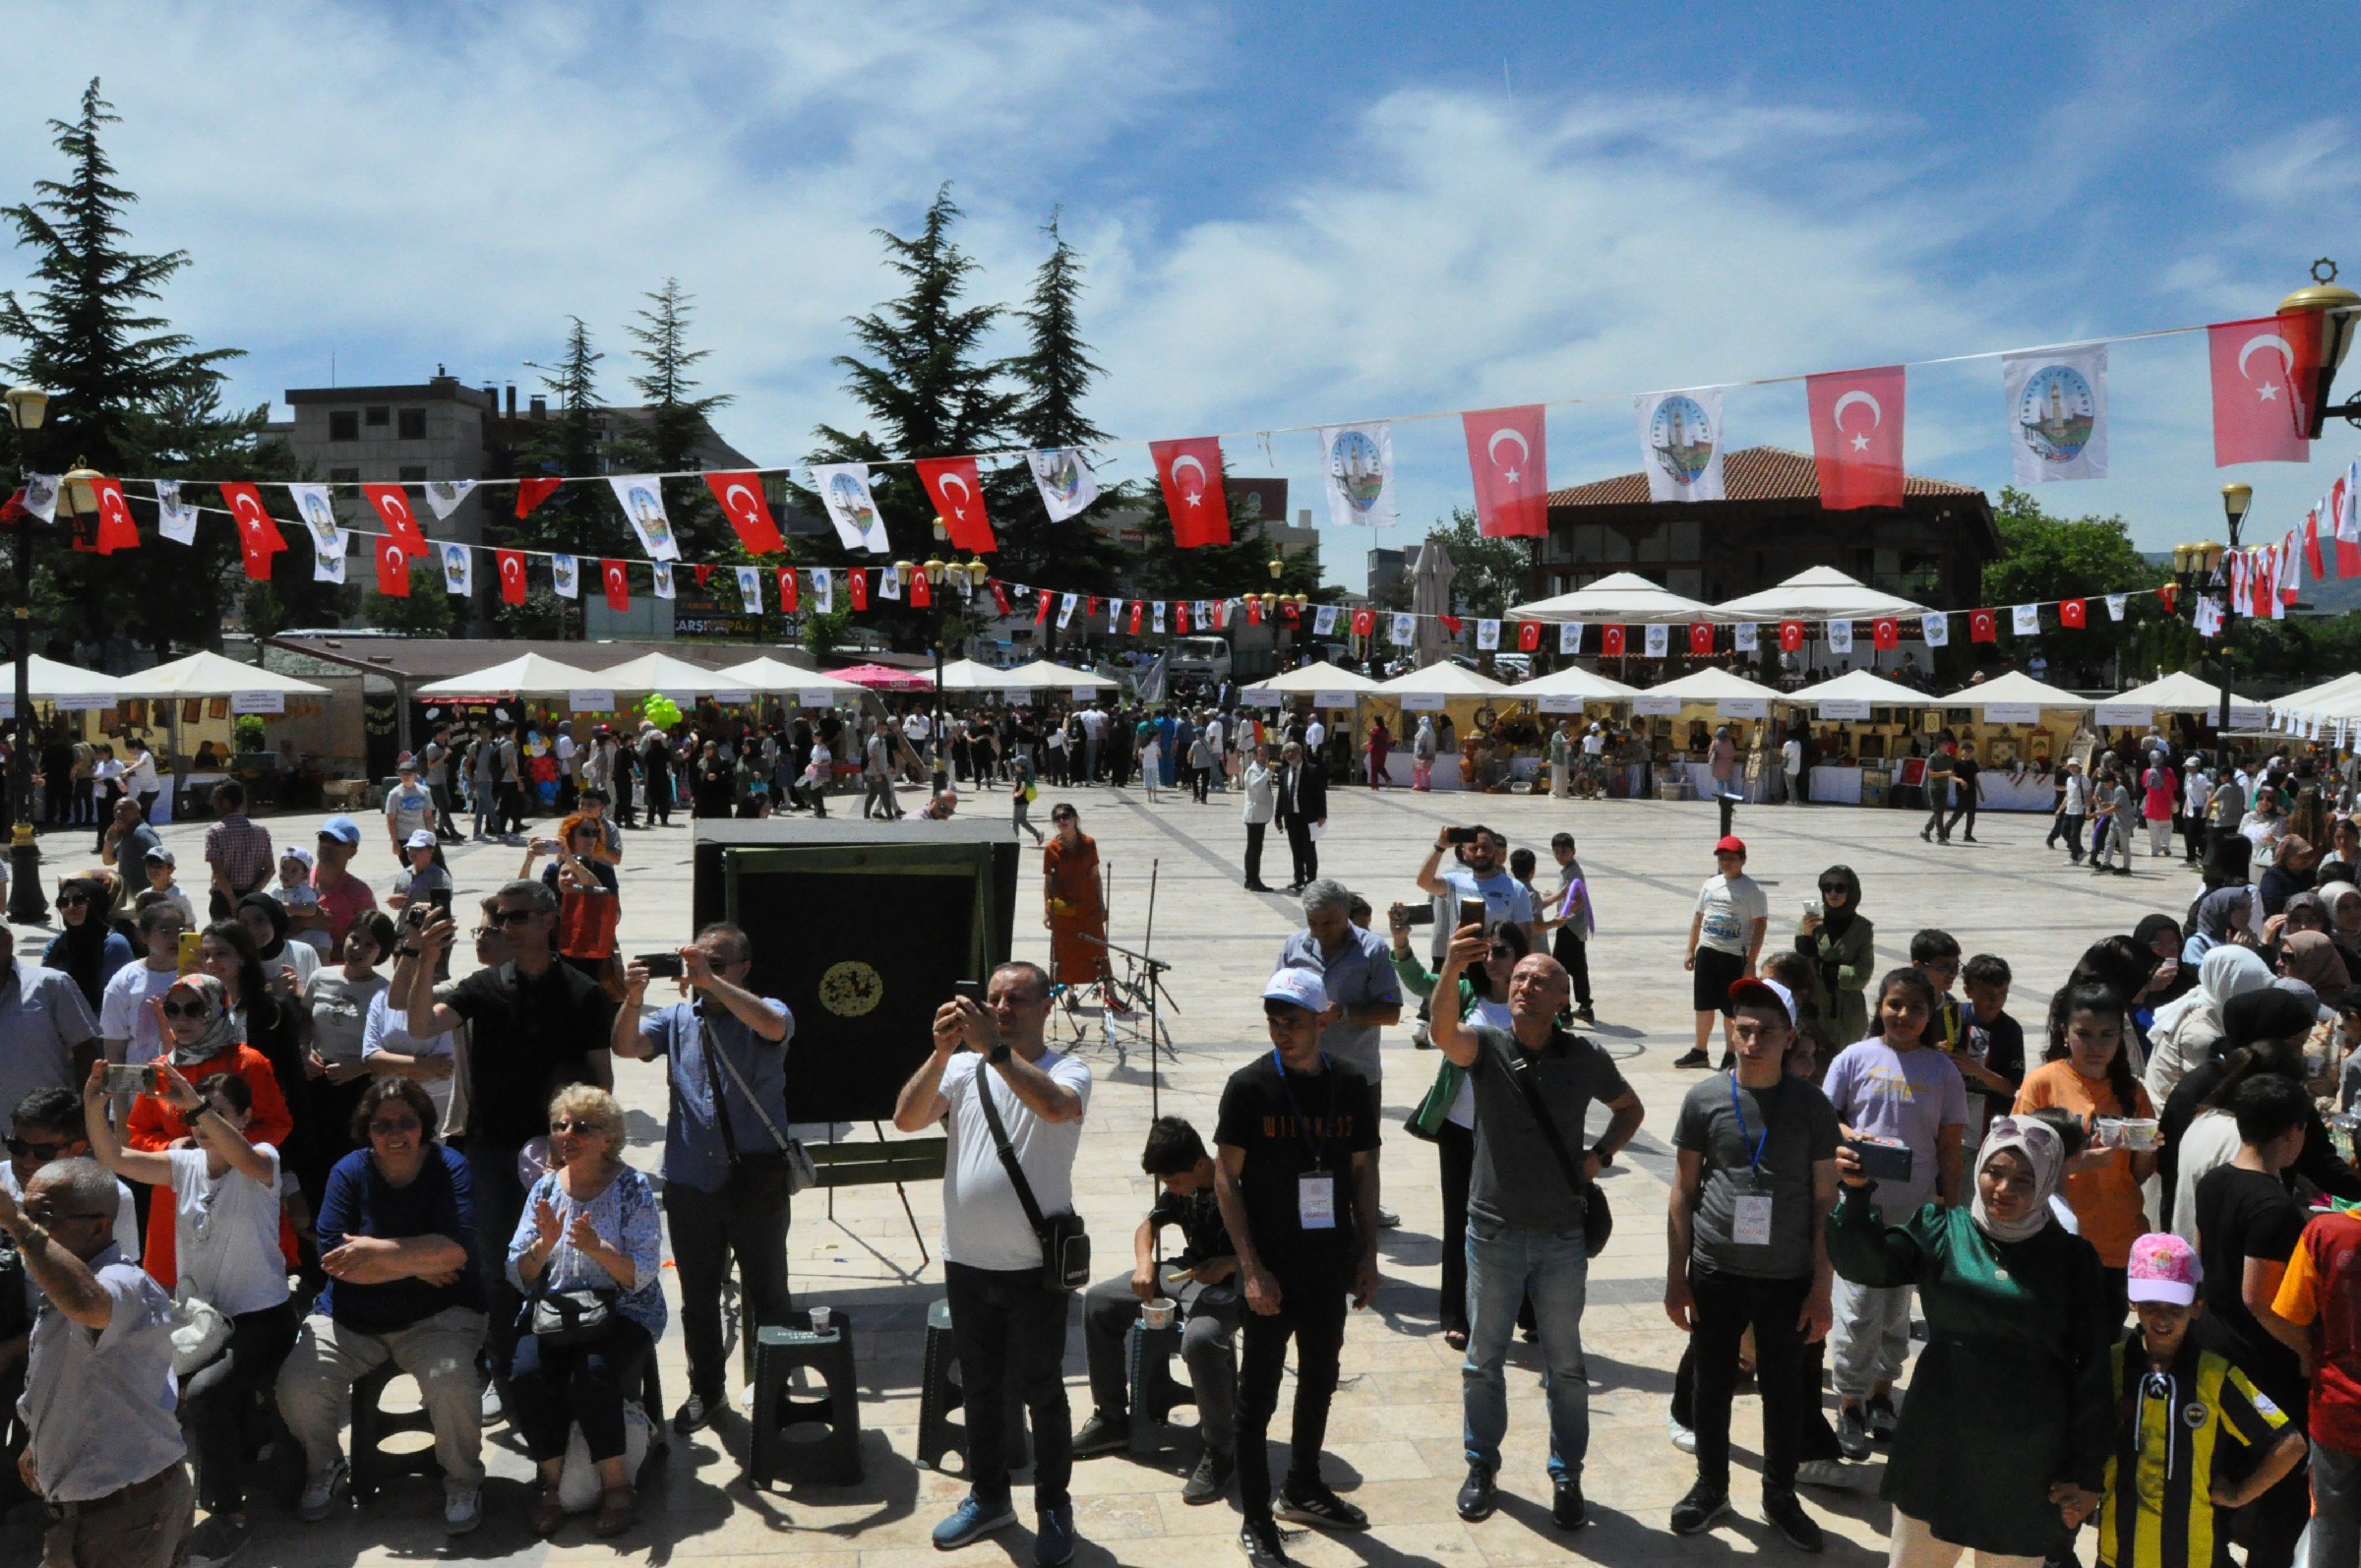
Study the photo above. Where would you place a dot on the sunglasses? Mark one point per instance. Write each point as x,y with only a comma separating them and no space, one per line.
24,1147
72,901
575,1126
392,1127
509,917
186,1009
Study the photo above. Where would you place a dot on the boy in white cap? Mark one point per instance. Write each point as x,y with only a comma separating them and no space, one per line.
409,805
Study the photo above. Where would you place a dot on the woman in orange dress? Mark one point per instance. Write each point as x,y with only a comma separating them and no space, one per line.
1073,907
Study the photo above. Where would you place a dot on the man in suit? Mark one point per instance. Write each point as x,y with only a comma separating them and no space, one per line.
1302,807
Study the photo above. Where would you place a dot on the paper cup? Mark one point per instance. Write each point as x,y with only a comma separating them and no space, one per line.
1158,1312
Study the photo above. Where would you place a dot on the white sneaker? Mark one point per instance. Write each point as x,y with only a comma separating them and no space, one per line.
1682,1438
492,1410
1826,1472
462,1511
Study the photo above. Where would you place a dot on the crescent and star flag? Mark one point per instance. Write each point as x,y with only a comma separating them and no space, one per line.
1936,629
1701,637
255,554
393,505
459,569
1450,624
958,491
1839,636
566,575
1253,611
742,501
530,493
1041,607
1508,457
116,530
1364,624
2263,370
857,581
1569,636
245,503
642,497
1138,610
1190,471
750,590
844,491
1745,636
1982,627
617,581
1658,640
392,569
787,582
1856,435
1681,443
1062,476
1000,604
1610,641
2074,613
1885,632
175,519
1405,629
327,566
2025,620
702,573
922,593
1790,635
823,591
444,496
2312,555
2057,401
1181,617
511,565
1357,467
2115,604
2170,594
664,579
1529,635
1292,614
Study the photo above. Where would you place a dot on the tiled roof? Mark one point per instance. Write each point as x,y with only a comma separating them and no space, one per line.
1752,473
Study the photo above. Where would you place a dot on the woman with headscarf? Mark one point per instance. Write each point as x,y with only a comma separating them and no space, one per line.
1842,944
2342,862
2311,958
86,948
2263,1031
2189,1031
264,919
2011,1396
2342,901
2289,874
2170,980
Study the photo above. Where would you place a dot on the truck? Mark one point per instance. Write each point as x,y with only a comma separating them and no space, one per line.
1202,659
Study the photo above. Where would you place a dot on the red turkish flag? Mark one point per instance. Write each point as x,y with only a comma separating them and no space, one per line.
1529,635
613,577
1982,627
787,590
1137,610
1181,614
393,505
116,530
922,592
1885,632
2073,612
741,498
510,564
1364,623
254,552
1508,457
1041,607
1190,475
1856,435
958,491
2312,558
1253,610
530,493
1291,611
1611,640
1000,597
1790,635
704,574
858,578
1701,637
2170,594
246,506
392,569
2264,371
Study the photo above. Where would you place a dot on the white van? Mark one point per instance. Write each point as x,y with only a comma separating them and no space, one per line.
1204,659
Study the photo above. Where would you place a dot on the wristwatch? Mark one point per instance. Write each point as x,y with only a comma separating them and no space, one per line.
997,1056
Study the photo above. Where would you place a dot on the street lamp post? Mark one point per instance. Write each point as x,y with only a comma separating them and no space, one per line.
2196,568
2339,308
26,905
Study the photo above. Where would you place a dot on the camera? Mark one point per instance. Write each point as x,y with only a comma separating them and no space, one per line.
662,966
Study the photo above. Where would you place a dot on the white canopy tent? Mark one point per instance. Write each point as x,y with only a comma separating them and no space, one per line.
661,672
1575,682
212,675
1446,679
2333,698
2015,689
814,689
1620,598
2177,692
1817,594
973,675
1044,675
526,674
1853,694
1731,696
66,686
1325,684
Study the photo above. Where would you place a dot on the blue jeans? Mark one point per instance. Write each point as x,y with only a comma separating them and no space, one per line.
1505,1262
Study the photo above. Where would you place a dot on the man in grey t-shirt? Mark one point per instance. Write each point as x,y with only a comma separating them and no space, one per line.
1533,1084
1748,1249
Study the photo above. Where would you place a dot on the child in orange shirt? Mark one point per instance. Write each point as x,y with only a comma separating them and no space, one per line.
2093,1079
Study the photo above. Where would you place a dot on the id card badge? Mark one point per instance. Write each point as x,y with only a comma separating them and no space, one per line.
1315,1202
1751,1225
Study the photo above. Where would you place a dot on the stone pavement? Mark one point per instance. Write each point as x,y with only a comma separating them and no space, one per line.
1394,1443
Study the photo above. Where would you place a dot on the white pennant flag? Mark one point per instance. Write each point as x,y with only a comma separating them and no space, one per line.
175,519
1156,614
1405,629
889,584
1062,476
1065,607
2057,412
1744,637
565,577
1839,636
2115,604
1324,621
328,561
1357,467
2208,618
664,579
40,496
1569,636
318,508
2348,516
459,569
1114,615
444,495
2025,620
642,497
750,590
1488,635
1681,443
1658,642
1201,613
823,591
1936,629
844,490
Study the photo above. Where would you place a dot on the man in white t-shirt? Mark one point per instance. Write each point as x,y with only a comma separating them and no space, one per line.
1008,1329
570,765
1790,762
127,1026
1725,936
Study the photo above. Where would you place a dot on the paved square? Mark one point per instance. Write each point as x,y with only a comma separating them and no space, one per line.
1394,1445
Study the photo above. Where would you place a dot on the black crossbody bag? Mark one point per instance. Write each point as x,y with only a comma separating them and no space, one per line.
1598,1219
760,1175
1065,1245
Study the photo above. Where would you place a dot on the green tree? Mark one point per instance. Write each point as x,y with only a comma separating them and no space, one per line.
677,423
1163,570
129,396
1053,376
425,612
2045,558
581,518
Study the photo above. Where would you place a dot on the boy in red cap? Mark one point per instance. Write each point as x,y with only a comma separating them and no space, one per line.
1726,934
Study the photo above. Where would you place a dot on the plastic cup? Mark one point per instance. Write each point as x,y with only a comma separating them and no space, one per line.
820,1317
2140,1134
1158,1312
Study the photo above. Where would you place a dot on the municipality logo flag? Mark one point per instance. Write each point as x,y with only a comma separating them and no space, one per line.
2057,413
1357,468
1681,443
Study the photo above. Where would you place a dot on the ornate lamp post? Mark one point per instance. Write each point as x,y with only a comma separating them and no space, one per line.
2338,308
26,905
2197,573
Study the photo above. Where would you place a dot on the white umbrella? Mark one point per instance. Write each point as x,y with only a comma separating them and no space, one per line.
1819,593
1622,598
211,675
526,674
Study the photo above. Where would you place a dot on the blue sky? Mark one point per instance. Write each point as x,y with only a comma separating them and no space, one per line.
1292,214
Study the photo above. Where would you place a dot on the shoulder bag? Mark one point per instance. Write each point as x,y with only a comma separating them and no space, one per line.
1065,1245
565,1319
790,1164
1598,1219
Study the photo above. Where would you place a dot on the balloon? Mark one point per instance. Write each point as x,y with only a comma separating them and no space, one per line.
662,711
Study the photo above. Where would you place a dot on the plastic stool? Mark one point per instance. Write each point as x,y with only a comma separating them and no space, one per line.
1148,1374
776,1453
939,1394
372,1464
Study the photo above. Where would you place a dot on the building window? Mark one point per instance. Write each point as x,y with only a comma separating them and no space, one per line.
343,424
413,425
343,476
376,417
413,473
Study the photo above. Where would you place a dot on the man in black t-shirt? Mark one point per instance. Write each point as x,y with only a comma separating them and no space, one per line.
1202,1282
1965,795
1296,1172
2248,1226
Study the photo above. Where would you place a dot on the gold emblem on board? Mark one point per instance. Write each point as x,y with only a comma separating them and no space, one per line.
850,988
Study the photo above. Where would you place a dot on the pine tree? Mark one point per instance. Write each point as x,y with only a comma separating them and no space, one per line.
1051,376
678,423
581,518
129,396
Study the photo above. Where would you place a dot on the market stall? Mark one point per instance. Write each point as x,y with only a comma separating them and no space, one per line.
1045,682
1862,725
2178,694
1469,709
204,691
1680,717
2021,727
810,689
1816,596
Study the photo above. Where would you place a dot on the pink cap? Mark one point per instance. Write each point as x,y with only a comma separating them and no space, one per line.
2163,1268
